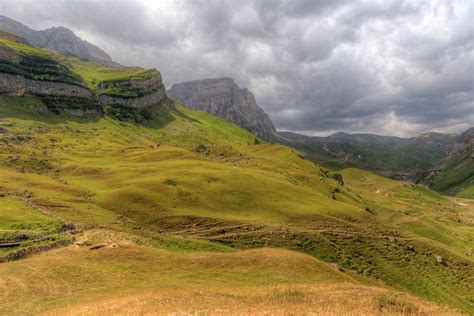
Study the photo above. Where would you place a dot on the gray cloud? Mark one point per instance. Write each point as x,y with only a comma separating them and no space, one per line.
388,67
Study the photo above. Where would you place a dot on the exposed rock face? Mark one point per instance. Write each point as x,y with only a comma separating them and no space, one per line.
137,103
77,100
146,92
461,142
59,39
224,98
139,84
15,85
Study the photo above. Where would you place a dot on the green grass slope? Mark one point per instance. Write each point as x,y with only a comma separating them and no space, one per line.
192,183
19,58
456,175
113,81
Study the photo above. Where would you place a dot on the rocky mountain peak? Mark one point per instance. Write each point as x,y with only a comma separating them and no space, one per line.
224,98
59,39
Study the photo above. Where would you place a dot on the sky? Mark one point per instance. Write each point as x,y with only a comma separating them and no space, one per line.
315,66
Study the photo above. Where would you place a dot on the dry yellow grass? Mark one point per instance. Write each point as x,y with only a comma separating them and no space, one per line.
340,299
135,280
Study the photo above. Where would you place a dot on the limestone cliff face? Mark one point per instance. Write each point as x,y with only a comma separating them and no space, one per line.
78,100
25,70
143,102
16,85
58,96
135,93
224,98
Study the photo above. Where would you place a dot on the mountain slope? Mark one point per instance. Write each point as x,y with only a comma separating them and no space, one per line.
188,181
59,39
75,86
185,203
392,156
224,98
455,175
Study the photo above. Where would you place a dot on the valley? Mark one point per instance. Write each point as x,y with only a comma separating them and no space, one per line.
187,182
116,199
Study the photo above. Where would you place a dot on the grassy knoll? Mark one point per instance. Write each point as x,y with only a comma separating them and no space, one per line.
188,188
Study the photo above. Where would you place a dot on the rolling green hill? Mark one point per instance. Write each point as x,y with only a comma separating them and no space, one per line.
187,212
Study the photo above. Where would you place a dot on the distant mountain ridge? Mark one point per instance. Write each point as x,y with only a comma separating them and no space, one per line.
59,39
389,155
222,97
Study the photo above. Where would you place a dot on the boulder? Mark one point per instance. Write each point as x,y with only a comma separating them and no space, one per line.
440,260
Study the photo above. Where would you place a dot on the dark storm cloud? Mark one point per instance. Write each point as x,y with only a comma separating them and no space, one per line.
390,67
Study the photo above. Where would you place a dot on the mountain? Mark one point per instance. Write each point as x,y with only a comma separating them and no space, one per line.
454,175
393,156
76,86
59,39
224,98
114,200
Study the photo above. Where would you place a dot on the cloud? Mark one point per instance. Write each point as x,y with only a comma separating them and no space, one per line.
389,67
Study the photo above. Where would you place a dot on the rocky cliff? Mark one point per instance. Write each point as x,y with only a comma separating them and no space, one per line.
136,93
224,98
59,39
28,71
15,85
461,143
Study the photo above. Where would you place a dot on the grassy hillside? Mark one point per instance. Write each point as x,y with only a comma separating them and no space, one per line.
455,176
193,195
19,58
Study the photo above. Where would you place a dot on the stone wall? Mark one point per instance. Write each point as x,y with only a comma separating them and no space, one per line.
34,249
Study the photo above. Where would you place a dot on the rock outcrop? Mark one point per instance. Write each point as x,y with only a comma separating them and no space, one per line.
134,93
224,98
28,71
59,39
461,143
137,103
77,100
16,85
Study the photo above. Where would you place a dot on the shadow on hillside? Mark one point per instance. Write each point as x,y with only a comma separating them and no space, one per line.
33,109
186,117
